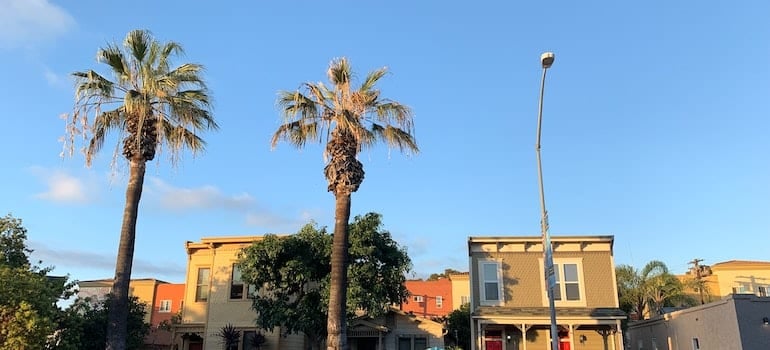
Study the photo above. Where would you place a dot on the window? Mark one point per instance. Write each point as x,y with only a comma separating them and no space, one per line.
695,344
418,299
406,342
567,282
762,291
202,285
568,288
439,301
464,300
165,306
740,289
253,340
491,283
239,289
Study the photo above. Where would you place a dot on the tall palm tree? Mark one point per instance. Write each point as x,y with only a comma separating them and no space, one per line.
348,119
150,106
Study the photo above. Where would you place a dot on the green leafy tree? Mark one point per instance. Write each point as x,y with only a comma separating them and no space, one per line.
348,119
28,296
646,291
445,274
84,325
294,273
150,106
459,326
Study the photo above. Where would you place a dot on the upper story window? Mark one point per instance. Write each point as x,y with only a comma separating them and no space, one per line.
567,282
490,283
418,299
202,284
439,301
464,299
238,289
569,289
763,291
165,306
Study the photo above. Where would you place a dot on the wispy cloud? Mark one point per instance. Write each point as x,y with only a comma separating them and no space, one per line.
53,79
209,197
26,22
62,187
276,223
73,258
204,197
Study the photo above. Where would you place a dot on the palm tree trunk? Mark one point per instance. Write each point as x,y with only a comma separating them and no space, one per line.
117,327
336,323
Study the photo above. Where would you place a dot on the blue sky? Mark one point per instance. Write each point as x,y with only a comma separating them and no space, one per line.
655,129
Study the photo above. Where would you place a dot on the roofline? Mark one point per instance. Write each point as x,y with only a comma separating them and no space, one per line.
109,280
206,242
524,239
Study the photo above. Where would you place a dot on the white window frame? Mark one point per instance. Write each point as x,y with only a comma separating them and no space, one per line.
418,299
165,305
247,289
482,283
439,302
202,287
464,299
560,283
763,291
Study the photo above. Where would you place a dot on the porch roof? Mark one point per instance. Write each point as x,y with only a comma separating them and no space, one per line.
541,312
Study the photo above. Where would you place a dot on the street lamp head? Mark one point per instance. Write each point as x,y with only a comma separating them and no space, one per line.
546,59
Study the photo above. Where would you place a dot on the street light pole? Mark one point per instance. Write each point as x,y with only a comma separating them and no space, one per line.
546,60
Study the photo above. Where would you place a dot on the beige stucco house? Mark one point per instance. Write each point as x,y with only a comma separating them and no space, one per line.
215,296
396,330
736,322
509,303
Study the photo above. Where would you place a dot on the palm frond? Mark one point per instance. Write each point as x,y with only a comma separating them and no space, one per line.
113,57
372,78
103,124
394,113
298,133
339,72
138,43
395,137
91,83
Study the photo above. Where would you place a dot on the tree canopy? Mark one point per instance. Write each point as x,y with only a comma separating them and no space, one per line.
459,326
28,296
293,273
445,274
84,325
646,291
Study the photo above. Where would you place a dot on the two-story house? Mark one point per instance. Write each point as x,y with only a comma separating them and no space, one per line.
509,302
215,296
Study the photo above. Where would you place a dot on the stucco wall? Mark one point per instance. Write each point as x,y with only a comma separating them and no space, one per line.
731,323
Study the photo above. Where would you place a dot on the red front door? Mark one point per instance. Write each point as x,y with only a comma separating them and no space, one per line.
494,344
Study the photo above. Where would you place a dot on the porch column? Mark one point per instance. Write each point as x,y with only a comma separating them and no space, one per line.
571,336
524,336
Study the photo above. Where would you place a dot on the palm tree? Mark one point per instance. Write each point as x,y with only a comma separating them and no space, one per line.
348,119
645,292
150,105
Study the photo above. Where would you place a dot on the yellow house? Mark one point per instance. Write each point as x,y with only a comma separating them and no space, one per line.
142,288
215,296
734,277
509,302
461,289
